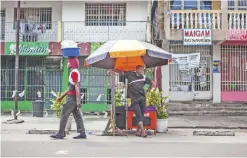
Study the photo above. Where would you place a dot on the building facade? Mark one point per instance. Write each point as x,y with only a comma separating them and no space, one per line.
43,26
223,53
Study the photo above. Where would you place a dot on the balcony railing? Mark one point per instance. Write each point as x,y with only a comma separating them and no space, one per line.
80,31
30,32
77,31
181,19
237,19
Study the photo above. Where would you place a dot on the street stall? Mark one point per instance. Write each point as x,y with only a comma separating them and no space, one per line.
126,55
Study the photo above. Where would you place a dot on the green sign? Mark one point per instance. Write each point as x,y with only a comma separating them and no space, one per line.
95,46
27,48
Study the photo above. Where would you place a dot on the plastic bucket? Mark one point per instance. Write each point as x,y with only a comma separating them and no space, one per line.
71,52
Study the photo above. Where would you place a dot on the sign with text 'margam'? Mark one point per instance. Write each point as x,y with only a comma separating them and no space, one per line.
27,48
197,37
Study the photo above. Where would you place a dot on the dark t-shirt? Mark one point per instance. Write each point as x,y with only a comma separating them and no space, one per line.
136,84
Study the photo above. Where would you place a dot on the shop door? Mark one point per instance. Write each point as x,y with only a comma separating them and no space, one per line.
195,84
201,79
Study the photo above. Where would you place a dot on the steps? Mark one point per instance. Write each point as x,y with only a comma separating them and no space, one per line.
206,108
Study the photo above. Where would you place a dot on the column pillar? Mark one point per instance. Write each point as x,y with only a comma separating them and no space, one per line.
165,72
216,76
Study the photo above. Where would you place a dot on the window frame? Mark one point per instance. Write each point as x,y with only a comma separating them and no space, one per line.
40,9
236,5
185,7
106,21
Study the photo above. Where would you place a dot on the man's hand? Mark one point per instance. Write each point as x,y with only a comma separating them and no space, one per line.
110,72
60,99
113,71
78,105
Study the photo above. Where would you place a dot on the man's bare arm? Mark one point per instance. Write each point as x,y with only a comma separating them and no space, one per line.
78,94
63,95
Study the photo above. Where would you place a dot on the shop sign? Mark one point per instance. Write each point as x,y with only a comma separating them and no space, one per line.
95,46
27,48
186,61
197,37
237,34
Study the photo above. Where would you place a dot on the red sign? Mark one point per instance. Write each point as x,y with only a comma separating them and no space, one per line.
2,48
237,34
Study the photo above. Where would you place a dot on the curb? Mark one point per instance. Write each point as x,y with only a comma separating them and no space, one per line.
13,121
44,131
207,127
213,133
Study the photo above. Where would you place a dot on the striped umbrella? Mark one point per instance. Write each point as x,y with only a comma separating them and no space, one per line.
125,55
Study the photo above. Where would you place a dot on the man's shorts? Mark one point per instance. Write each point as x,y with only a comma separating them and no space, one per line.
138,105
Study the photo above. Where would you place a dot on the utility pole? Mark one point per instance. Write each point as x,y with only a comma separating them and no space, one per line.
17,57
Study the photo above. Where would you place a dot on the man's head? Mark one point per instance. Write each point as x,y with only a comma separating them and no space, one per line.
73,63
140,70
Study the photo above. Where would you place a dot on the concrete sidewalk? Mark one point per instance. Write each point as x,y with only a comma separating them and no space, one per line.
98,123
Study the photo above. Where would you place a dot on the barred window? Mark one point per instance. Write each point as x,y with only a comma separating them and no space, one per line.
35,15
105,14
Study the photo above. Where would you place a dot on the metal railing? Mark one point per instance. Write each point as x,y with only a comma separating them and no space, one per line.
34,32
237,19
78,31
181,19
33,78
129,30
234,68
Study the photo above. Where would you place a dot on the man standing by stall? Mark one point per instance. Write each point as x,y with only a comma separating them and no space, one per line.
136,92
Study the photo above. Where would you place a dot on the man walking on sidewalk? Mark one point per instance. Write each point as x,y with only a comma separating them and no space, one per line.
136,82
72,103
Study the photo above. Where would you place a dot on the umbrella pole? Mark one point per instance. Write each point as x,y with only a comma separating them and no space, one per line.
111,122
126,104
113,112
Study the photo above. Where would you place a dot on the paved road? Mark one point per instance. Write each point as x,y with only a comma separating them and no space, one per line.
171,145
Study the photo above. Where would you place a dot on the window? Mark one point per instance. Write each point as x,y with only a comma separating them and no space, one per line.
105,14
237,5
205,5
176,4
38,16
190,4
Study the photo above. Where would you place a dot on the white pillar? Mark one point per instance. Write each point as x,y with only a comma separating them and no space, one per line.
216,76
165,80
165,72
